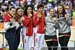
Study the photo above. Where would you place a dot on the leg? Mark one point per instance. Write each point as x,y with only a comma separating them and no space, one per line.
17,41
18,37
55,45
32,39
49,43
63,42
31,43
23,31
41,41
26,43
37,42
11,43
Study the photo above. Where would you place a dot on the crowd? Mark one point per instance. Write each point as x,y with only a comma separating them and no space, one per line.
37,21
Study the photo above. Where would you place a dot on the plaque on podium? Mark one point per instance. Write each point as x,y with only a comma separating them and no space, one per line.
2,33
2,27
72,38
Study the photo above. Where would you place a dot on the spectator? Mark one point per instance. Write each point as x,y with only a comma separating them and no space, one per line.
50,33
64,27
73,14
68,10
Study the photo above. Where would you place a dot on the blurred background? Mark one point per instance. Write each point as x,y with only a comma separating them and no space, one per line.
6,4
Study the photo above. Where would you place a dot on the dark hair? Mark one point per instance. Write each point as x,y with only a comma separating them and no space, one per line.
12,8
51,8
25,11
39,6
63,13
18,9
55,15
17,13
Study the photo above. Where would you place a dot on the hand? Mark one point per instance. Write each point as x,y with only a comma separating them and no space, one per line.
39,15
22,18
12,20
30,15
55,19
67,17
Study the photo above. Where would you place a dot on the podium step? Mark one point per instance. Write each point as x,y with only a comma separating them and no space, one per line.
1,48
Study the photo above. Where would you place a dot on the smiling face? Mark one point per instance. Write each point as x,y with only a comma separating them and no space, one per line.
51,12
20,12
60,9
29,10
13,11
40,9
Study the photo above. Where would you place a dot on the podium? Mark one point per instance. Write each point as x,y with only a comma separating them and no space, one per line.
73,22
72,38
2,31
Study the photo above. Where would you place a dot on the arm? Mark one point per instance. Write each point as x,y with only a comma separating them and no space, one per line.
7,25
68,20
17,25
35,20
26,21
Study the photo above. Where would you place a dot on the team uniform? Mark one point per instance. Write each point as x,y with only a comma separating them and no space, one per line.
39,29
50,33
12,36
28,37
64,31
